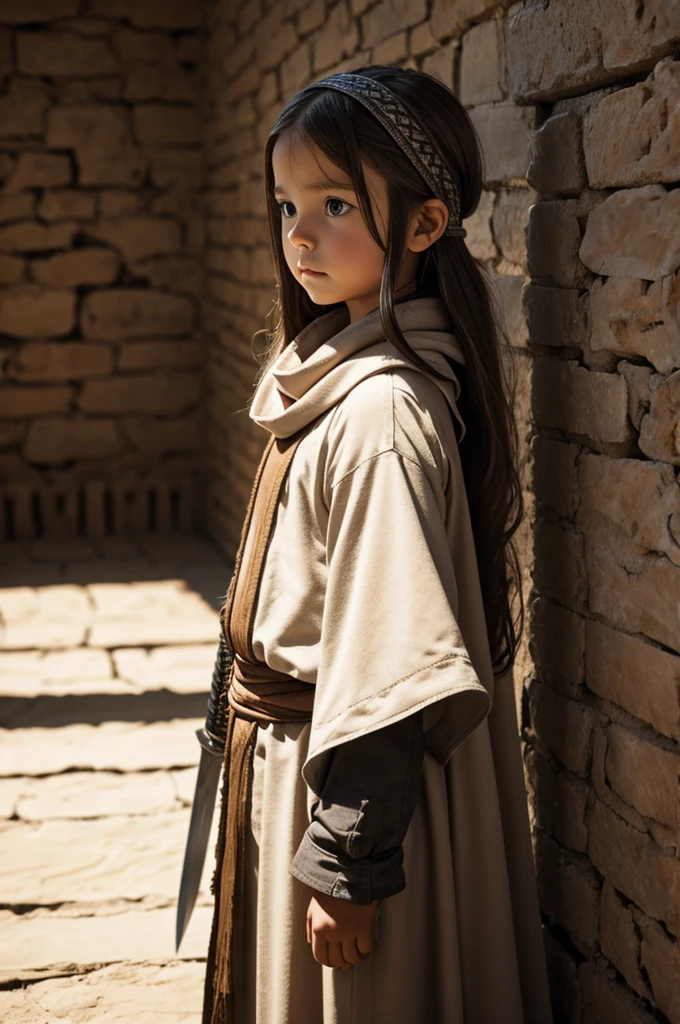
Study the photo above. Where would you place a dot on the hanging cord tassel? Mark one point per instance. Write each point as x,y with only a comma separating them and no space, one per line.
240,746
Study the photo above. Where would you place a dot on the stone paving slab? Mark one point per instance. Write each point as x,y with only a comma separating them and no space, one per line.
181,668
143,993
116,857
40,940
95,794
113,746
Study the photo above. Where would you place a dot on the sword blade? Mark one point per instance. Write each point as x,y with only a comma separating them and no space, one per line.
205,794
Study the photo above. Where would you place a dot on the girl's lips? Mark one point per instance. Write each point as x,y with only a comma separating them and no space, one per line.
314,273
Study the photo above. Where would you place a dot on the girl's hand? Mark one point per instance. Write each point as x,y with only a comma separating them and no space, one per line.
340,932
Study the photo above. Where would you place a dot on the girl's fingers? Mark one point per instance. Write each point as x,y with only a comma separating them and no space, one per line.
335,955
365,945
350,952
308,925
320,950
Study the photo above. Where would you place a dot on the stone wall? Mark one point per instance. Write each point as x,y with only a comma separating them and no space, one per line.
576,105
101,239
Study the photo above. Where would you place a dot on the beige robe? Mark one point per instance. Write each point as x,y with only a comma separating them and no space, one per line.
370,590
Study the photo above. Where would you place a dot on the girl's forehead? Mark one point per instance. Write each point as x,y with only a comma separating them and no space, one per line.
301,161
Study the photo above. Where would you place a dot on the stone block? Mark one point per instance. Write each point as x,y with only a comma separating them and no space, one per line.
607,1000
160,125
79,267
339,37
63,54
101,139
634,864
113,314
644,775
51,440
160,355
40,942
159,436
584,403
505,133
296,71
311,17
509,222
163,14
274,39
555,481
18,12
167,395
636,498
560,801
73,795
178,273
25,402
119,202
631,137
555,317
180,168
22,110
559,570
63,360
39,170
634,233
639,380
67,204
133,47
480,66
149,82
441,63
558,50
479,239
631,317
181,669
28,311
450,16
29,236
568,892
557,164
660,957
638,594
140,236
19,206
564,725
558,646
660,427
565,991
109,858
619,939
554,239
11,269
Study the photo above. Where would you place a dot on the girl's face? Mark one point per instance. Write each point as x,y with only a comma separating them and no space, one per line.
322,229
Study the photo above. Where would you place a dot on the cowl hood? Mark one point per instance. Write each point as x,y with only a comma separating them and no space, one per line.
331,355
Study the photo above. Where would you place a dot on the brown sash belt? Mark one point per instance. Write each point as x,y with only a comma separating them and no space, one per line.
256,693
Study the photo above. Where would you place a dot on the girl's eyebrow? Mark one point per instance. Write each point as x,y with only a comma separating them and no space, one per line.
318,186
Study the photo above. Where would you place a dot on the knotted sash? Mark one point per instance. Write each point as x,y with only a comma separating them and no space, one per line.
255,693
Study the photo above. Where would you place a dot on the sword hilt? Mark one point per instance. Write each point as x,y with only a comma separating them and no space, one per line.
218,703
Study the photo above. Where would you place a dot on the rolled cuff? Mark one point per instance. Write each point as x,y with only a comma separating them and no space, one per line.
359,881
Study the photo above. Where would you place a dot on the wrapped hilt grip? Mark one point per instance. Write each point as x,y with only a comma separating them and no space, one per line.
218,704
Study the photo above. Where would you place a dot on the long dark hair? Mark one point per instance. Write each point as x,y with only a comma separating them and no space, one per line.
346,133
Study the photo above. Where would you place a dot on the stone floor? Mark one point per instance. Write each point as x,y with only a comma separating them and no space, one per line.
106,654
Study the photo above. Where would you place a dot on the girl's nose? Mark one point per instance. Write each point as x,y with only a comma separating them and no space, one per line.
302,234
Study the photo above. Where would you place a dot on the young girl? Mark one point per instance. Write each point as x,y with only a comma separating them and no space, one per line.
374,864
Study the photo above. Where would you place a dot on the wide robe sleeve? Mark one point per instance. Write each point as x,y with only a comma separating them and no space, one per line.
352,848
390,640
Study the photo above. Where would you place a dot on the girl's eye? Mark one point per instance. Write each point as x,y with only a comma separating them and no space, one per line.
334,213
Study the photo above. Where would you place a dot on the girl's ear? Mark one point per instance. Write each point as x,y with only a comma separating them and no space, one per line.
426,225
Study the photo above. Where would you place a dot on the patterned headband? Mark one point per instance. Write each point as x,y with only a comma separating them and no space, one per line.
389,110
